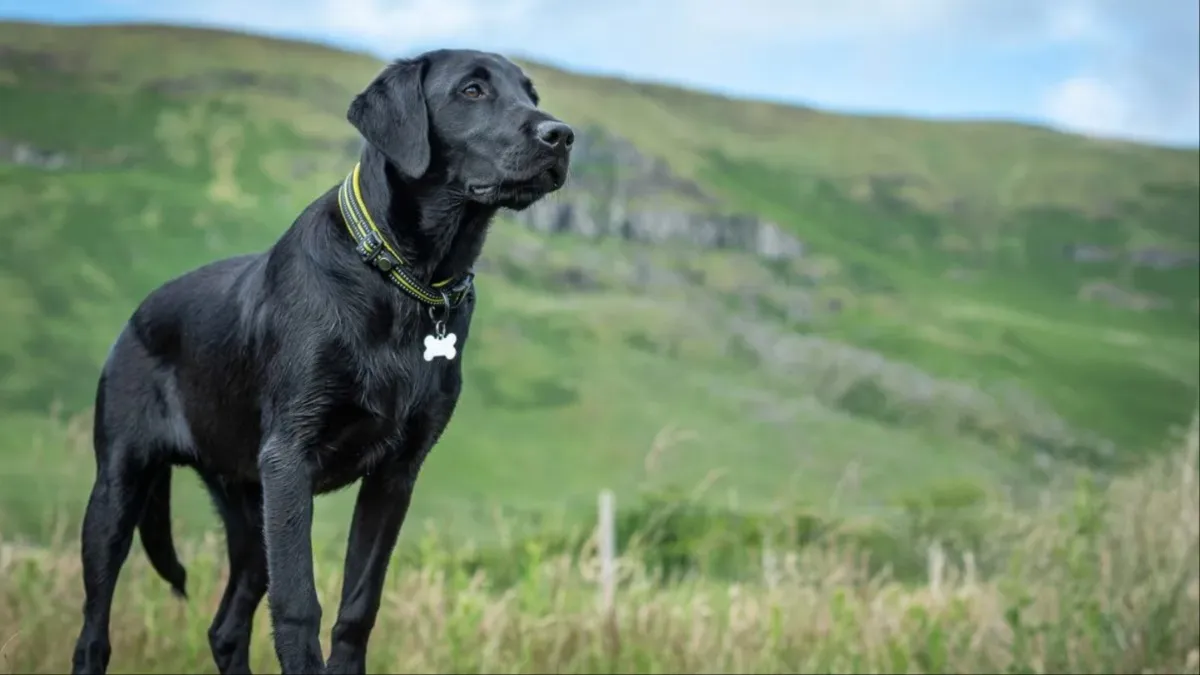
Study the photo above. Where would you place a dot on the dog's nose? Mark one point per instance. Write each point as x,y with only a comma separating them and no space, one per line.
556,135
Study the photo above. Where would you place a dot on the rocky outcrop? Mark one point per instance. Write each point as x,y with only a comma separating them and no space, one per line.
1114,295
581,215
616,191
1165,259
1152,257
26,154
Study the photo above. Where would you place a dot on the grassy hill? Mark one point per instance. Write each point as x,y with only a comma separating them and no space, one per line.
978,305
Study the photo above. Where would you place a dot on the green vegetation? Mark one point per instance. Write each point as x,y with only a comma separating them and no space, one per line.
933,336
1103,581
895,398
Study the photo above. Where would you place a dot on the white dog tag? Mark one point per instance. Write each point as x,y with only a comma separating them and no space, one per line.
443,346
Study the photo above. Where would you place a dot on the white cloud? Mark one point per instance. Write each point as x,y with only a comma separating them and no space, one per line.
627,22
1141,77
1120,108
1134,64
1074,21
381,25
1089,105
393,23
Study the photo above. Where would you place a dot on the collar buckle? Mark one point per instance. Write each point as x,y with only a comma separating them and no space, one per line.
456,294
465,282
371,250
368,247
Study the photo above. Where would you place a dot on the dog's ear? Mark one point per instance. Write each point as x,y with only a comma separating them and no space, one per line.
391,115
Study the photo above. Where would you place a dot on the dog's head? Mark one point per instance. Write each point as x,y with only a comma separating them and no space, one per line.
472,119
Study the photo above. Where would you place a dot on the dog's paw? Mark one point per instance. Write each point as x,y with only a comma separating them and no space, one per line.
346,666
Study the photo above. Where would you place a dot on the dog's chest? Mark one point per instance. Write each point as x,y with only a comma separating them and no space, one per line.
400,402
378,433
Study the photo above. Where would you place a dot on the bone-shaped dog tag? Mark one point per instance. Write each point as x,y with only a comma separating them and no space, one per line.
443,346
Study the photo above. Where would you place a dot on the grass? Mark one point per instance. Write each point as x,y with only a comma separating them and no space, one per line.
1105,581
955,470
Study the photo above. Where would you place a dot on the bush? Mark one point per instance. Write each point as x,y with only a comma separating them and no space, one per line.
1106,582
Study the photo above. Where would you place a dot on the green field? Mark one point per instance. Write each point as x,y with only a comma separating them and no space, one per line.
986,345
1103,582
948,343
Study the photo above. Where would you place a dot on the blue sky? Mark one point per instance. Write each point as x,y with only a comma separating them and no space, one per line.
1111,68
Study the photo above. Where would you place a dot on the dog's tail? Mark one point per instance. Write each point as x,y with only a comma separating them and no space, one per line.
155,531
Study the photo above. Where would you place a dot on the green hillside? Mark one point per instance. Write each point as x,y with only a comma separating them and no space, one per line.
976,305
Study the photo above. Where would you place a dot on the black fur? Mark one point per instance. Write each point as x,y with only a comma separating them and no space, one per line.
281,375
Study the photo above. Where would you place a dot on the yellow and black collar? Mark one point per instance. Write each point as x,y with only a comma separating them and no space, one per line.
374,249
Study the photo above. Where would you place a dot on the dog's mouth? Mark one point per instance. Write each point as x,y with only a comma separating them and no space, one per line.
520,193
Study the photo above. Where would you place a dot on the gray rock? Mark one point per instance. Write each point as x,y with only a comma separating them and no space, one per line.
616,191
25,154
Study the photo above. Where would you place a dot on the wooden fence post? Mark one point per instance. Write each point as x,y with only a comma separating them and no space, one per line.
770,563
608,550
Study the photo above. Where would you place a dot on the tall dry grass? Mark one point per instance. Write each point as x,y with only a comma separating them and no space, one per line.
1107,582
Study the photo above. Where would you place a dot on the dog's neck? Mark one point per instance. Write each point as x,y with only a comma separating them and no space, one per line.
437,230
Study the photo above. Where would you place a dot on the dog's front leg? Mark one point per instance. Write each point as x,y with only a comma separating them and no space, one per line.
379,512
287,529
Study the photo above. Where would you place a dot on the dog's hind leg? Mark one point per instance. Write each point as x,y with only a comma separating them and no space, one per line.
120,492
240,508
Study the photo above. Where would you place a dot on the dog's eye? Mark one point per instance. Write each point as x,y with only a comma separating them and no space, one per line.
473,91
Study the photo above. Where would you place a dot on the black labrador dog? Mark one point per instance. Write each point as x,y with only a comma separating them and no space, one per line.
332,357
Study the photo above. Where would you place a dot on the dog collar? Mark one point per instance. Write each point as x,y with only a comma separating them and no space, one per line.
374,250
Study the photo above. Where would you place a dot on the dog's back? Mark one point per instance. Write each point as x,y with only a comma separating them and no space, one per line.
182,368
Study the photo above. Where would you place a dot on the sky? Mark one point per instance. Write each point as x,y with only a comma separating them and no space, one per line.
1126,69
